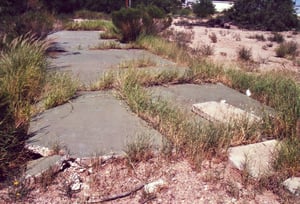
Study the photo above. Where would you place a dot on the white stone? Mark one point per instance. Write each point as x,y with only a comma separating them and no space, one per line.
154,186
222,112
293,185
256,158
76,186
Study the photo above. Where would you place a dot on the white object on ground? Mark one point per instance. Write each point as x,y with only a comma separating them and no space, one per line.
248,92
154,186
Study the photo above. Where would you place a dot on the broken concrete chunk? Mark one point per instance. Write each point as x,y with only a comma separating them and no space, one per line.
293,185
222,112
153,187
255,158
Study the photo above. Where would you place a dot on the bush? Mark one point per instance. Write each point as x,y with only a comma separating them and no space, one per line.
287,48
244,53
204,8
133,22
277,37
267,15
129,22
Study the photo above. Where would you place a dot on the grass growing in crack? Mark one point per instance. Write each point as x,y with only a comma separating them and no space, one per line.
141,149
89,25
59,88
138,63
105,82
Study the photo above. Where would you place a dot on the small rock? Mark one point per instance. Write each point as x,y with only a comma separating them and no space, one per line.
293,185
154,186
75,186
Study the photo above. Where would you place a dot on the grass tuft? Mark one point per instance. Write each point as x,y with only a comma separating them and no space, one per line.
59,88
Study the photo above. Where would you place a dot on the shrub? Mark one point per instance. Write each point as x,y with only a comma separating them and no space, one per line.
213,37
287,48
244,53
133,22
258,37
204,8
277,37
128,21
267,15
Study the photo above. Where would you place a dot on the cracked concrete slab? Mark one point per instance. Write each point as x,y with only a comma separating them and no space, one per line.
93,124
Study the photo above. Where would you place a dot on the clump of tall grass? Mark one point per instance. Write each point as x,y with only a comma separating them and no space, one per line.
59,88
141,149
22,74
244,53
89,25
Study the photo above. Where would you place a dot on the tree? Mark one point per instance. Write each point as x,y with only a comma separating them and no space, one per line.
204,8
273,15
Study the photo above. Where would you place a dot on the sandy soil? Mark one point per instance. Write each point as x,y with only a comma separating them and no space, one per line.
230,40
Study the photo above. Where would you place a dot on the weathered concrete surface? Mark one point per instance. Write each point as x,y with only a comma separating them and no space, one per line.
94,123
88,65
185,95
254,158
36,167
293,185
222,112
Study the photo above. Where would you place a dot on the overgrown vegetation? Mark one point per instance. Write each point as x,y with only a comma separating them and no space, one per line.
266,15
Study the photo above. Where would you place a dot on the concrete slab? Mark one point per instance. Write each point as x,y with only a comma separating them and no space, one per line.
93,124
185,95
37,167
293,185
254,158
223,112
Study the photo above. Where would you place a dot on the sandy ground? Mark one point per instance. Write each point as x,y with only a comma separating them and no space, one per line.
230,40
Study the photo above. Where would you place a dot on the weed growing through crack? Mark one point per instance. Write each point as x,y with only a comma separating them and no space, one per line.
106,82
59,88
